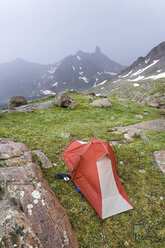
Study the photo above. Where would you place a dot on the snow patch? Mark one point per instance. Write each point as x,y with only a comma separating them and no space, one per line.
136,79
78,57
145,68
81,73
136,85
102,88
154,77
55,84
52,70
160,75
110,73
47,92
146,60
85,79
126,74
73,68
116,81
80,68
103,82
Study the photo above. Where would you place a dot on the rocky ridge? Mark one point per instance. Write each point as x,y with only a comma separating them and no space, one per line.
79,72
144,69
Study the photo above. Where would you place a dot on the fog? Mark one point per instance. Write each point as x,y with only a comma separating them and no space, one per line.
45,31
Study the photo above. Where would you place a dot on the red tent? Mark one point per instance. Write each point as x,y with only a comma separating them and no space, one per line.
93,169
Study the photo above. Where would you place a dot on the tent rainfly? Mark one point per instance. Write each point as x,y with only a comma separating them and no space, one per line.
93,169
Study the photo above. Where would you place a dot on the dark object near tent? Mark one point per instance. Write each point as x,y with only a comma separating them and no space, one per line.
66,177
93,169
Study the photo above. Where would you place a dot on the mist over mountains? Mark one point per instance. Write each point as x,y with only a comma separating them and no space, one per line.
78,72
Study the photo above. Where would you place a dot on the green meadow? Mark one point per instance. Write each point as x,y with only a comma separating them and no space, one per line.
41,130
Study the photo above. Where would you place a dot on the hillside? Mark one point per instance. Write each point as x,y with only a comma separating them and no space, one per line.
78,72
148,68
143,182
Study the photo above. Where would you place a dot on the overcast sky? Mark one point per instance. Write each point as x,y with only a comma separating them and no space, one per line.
46,31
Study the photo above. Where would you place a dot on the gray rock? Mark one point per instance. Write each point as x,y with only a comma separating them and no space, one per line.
64,101
30,107
158,125
144,137
142,171
139,116
146,113
16,101
130,135
66,135
154,104
103,102
159,157
45,162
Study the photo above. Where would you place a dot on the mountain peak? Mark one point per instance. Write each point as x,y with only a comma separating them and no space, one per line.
97,50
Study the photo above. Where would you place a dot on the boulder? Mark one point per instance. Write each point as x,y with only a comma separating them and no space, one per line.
66,135
103,102
16,101
30,214
159,157
64,101
130,135
154,104
139,116
144,137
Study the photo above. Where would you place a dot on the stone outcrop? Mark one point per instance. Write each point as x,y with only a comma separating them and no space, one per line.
30,214
30,107
158,125
64,101
103,102
16,101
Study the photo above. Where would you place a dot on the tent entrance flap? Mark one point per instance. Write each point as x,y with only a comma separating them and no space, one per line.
112,201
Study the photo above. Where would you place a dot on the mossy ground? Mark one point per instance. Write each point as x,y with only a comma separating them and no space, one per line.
140,227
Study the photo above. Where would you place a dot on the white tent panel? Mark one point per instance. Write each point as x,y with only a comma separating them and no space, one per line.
112,201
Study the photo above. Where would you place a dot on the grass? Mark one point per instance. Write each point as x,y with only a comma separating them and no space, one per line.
140,227
145,90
